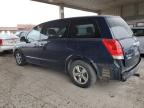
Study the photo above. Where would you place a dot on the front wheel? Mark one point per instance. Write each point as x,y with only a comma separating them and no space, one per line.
82,74
20,59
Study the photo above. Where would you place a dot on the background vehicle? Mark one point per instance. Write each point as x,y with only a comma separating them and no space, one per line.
139,33
21,33
7,42
88,48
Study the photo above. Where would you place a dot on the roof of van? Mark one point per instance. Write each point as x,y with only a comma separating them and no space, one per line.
96,16
92,16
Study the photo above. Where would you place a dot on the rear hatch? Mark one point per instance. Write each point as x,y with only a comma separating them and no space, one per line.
122,32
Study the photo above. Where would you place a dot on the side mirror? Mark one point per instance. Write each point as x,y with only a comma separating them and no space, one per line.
23,39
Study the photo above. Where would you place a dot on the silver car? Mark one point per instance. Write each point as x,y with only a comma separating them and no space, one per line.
139,33
21,33
7,42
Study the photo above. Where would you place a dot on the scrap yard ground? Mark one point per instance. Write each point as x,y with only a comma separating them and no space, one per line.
37,87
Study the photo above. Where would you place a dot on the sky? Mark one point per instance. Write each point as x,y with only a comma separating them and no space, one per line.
13,12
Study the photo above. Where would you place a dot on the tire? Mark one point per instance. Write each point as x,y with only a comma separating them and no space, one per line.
20,59
82,74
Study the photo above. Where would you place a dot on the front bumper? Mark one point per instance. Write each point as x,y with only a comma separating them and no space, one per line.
5,48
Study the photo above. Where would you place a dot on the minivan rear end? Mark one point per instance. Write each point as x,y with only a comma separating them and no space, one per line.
125,48
111,49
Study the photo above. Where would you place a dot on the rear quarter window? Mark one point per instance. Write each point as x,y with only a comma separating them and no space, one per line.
84,28
119,28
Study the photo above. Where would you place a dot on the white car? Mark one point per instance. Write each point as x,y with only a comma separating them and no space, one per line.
139,33
21,33
7,42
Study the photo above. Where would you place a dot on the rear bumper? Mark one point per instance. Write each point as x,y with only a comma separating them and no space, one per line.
125,75
5,48
115,71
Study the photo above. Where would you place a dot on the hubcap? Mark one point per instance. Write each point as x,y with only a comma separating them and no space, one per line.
18,58
80,74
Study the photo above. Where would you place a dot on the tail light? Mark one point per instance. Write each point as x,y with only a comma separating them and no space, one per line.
1,42
114,48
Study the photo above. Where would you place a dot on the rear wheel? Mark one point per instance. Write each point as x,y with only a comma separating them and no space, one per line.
82,74
20,59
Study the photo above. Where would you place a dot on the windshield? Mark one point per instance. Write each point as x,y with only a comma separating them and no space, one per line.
138,32
119,28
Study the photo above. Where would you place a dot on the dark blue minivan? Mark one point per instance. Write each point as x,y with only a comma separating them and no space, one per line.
89,48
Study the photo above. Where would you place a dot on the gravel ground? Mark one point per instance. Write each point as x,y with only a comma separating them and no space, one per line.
36,87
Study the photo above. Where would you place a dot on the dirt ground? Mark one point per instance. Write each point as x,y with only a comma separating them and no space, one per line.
36,87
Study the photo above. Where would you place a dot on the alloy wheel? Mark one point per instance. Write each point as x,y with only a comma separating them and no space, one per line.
18,58
80,74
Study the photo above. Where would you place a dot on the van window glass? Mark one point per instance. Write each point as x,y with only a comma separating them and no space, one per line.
53,30
34,35
119,28
83,29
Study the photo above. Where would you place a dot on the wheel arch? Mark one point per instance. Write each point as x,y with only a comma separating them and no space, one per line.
17,49
72,58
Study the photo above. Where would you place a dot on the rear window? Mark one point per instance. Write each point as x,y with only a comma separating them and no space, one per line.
138,32
119,28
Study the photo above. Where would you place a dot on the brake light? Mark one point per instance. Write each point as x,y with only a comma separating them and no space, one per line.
1,42
114,48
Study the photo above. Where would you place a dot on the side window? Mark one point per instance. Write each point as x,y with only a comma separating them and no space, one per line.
52,30
84,28
34,35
